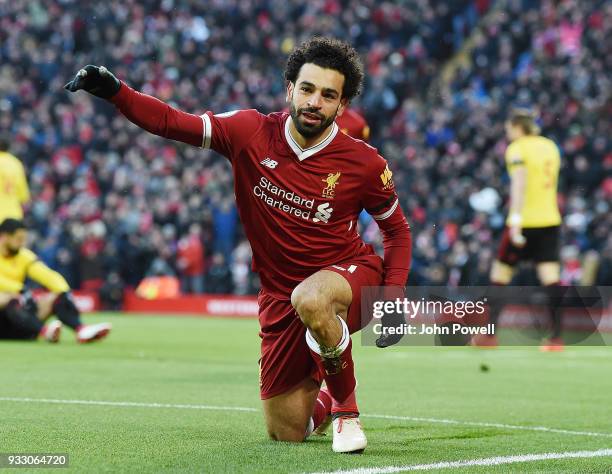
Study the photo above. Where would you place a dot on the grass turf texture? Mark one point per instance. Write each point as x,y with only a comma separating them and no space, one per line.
213,362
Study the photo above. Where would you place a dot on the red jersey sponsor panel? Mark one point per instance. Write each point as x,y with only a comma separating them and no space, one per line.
299,207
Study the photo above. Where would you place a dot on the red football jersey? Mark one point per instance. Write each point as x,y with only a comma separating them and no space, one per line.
354,125
299,207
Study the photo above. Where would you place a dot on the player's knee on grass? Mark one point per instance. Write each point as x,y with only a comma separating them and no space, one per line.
287,415
286,424
284,431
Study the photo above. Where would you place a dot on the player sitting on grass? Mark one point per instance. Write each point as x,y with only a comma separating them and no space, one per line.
21,316
300,185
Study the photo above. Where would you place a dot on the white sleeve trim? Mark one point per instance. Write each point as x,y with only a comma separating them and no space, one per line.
383,216
207,131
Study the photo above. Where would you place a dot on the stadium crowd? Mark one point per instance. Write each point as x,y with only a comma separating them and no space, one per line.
112,204
550,57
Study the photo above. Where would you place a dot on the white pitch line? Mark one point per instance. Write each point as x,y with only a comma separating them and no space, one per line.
125,404
490,425
248,409
496,461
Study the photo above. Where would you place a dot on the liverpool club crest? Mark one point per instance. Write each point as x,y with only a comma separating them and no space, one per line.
329,192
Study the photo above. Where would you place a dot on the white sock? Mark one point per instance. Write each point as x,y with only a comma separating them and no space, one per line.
342,345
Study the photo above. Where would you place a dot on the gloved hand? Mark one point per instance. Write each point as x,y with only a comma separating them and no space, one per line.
391,320
98,81
28,302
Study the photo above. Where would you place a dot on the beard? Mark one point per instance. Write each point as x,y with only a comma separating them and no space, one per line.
305,129
12,251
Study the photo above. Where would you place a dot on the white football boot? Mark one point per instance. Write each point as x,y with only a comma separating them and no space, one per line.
348,435
52,331
93,332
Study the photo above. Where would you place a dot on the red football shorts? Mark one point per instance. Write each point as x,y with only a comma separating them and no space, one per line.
285,357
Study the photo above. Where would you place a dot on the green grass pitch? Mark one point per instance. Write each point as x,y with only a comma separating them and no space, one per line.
204,368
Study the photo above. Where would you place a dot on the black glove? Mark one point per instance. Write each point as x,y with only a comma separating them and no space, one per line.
27,301
391,320
98,81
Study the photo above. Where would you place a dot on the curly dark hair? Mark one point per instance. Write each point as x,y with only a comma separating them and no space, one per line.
10,226
328,53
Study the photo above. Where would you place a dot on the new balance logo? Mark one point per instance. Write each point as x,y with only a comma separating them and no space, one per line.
350,269
323,213
269,163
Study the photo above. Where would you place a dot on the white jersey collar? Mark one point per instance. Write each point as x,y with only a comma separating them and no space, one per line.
303,153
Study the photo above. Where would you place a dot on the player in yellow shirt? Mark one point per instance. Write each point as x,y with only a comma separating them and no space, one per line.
22,317
533,224
14,190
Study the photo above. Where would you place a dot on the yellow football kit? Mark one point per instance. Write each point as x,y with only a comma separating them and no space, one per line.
541,158
15,269
14,190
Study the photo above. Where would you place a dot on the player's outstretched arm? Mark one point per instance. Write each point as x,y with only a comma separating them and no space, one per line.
50,279
145,111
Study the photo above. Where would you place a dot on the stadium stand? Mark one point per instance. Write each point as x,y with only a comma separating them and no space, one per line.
119,203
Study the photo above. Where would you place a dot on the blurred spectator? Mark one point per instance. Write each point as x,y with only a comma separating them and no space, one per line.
111,292
159,267
219,276
190,260
91,259
244,281
571,271
604,273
